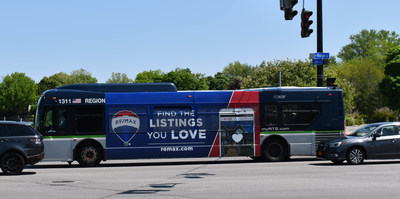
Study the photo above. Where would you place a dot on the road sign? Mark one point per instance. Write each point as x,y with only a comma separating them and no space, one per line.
319,56
317,61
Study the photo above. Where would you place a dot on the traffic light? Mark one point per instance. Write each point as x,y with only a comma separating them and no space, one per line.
305,23
287,7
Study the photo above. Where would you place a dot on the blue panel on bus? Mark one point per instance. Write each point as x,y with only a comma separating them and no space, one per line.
162,125
150,98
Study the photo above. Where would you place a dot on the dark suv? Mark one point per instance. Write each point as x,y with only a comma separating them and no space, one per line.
20,144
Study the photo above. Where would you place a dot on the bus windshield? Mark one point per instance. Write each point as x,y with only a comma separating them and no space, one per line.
36,124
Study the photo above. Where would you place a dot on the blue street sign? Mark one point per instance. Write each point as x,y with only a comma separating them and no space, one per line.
317,62
321,56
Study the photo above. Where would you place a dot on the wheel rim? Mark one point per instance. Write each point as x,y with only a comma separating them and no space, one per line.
13,164
356,156
89,154
274,150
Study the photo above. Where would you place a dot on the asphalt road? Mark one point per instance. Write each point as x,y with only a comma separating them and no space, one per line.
206,178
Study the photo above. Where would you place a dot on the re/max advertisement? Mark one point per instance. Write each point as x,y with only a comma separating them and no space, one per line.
182,124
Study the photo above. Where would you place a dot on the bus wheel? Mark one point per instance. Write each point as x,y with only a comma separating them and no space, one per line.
12,163
89,154
274,150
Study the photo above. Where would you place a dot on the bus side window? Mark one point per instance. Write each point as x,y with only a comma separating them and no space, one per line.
270,115
48,121
299,113
90,120
56,121
62,119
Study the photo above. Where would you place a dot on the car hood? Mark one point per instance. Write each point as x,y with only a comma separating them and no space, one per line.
347,138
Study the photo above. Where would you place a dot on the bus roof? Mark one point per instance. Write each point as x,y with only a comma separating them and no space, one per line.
121,87
293,88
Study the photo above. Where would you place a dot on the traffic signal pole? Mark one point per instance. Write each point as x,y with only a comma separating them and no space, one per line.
320,68
287,7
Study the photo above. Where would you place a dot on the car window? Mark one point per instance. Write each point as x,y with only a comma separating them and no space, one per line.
363,131
19,130
388,131
30,131
3,130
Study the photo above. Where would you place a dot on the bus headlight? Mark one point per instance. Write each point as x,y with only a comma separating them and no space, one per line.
337,144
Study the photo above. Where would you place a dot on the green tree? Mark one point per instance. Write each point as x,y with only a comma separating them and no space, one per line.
119,78
54,81
219,82
236,72
392,67
390,85
349,91
364,75
17,92
151,76
369,43
47,83
293,73
81,76
184,79
61,79
363,65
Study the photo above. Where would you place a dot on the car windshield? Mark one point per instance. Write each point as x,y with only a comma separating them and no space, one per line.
363,131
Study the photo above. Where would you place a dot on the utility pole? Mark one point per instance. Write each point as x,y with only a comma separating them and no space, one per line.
320,68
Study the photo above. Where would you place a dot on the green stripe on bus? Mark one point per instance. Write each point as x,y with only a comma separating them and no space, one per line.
300,132
74,136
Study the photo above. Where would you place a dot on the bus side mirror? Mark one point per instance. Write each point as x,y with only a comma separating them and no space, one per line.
375,136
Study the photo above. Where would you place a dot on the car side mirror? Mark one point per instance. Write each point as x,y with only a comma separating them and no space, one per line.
375,136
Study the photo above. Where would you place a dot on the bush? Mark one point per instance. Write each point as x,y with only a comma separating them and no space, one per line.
384,114
355,119
349,120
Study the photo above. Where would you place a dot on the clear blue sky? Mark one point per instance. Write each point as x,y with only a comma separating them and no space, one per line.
41,38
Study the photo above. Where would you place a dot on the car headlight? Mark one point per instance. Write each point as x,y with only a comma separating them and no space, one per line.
336,144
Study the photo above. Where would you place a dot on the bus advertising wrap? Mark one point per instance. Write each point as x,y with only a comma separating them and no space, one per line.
179,130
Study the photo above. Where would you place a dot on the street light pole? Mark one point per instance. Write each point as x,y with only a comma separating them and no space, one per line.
320,68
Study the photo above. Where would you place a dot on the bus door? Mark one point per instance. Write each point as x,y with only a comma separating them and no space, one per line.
237,135
57,129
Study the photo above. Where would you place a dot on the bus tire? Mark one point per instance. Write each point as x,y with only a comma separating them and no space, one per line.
89,154
274,150
12,163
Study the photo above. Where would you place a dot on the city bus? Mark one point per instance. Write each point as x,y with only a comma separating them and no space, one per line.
91,123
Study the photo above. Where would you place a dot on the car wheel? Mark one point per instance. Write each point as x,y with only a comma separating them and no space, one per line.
89,154
12,163
274,150
355,155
